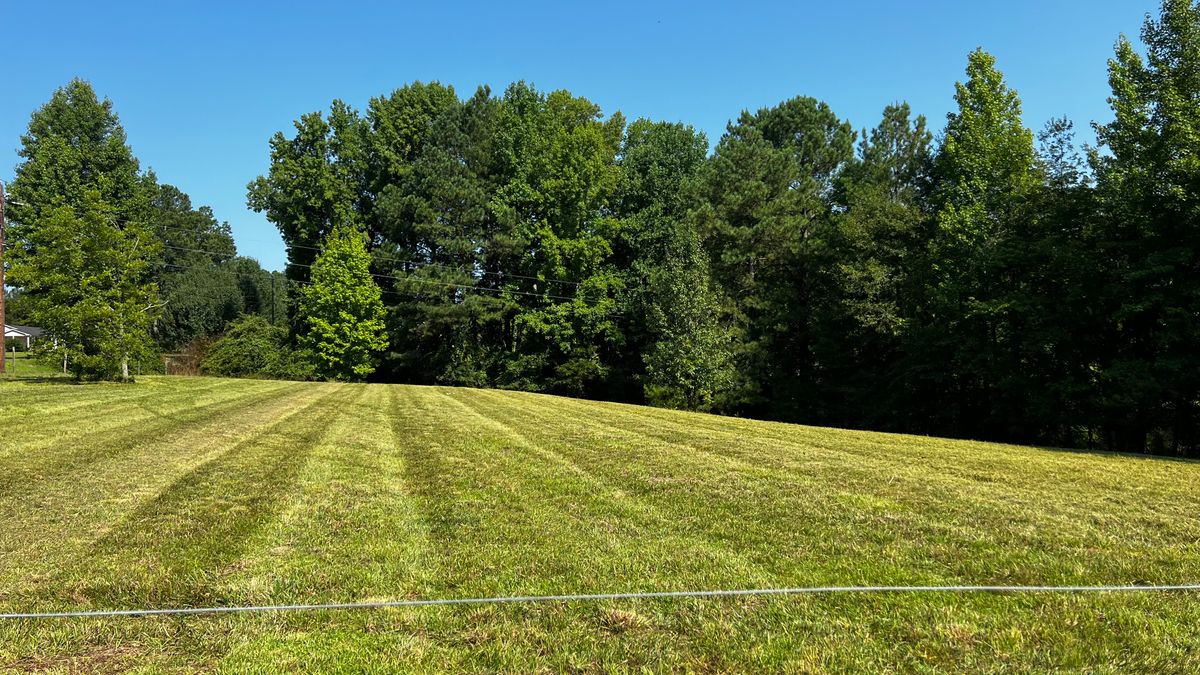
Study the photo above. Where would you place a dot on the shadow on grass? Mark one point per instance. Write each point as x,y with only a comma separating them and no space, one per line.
41,379
59,378
1113,453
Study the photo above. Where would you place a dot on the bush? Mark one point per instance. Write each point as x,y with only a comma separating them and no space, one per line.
252,347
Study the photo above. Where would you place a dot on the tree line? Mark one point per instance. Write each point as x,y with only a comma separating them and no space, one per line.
117,266
987,282
990,282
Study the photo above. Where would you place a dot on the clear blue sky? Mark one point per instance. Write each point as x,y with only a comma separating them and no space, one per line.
201,86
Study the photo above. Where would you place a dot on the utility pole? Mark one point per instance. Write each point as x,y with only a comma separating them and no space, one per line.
3,368
272,296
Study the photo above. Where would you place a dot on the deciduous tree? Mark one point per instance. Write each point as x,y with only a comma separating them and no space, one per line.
341,310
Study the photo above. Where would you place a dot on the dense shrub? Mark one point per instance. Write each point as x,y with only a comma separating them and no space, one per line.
252,347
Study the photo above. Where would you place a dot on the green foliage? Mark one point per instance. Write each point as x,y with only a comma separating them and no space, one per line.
202,299
986,173
80,249
1147,238
979,288
75,145
341,309
16,309
84,277
75,156
881,224
191,237
986,159
252,347
769,187
675,323
868,278
559,164
199,301
437,225
317,180
689,363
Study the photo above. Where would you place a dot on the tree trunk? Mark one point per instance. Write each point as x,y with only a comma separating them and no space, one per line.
124,367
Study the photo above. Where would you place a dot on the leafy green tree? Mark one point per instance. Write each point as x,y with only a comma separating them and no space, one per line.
317,179
986,157
871,287
201,294
558,163
81,252
985,172
16,310
341,309
404,124
198,302
75,145
689,364
262,292
191,237
1059,327
85,279
1149,239
882,223
672,308
449,317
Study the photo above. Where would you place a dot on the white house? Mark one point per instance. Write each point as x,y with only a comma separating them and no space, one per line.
26,334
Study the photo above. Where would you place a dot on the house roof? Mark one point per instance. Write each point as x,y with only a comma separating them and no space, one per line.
11,330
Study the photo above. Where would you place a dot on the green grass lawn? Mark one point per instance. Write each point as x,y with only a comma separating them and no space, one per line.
26,365
187,492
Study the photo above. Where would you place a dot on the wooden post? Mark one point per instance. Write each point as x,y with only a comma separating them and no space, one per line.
2,368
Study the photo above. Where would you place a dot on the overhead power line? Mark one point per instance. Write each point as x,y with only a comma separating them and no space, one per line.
409,279
415,263
3,367
252,274
404,261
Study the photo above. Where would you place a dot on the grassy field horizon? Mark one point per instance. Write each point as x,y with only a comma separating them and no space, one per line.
201,491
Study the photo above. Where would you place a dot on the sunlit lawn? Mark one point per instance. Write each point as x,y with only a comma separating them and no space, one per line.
188,492
24,364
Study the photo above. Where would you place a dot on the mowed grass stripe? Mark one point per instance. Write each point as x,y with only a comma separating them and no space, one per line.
894,468
330,492
351,531
502,521
543,435
78,449
75,405
108,408
496,494
177,546
53,422
792,523
769,523
829,631
98,497
1075,471
72,442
